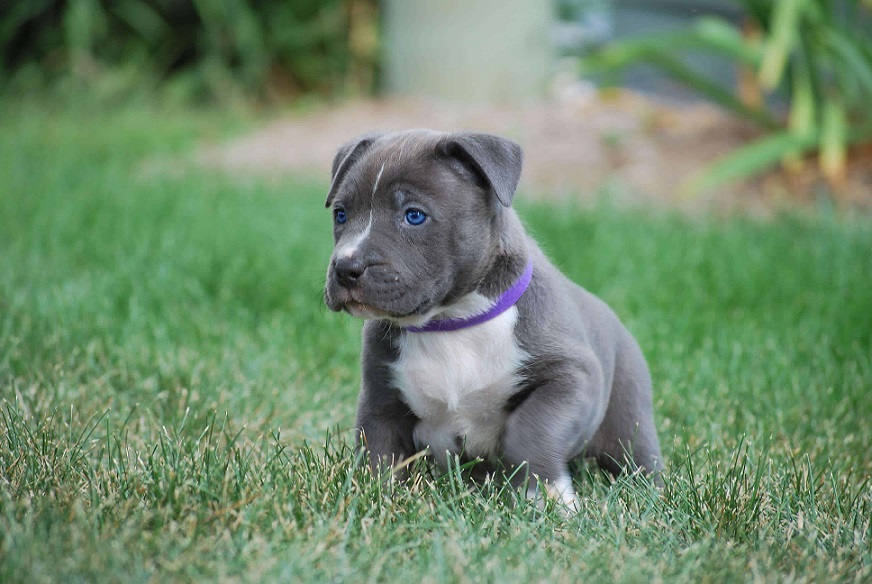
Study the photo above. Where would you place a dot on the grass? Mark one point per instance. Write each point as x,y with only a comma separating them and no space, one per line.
175,401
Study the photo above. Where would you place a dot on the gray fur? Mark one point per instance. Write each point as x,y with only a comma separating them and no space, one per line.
584,388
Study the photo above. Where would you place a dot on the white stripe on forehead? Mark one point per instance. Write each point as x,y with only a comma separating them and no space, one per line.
350,248
375,186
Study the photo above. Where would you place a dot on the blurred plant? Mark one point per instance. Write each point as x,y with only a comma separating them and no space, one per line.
202,48
815,53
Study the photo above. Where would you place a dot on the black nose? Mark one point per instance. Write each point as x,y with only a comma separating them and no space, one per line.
349,270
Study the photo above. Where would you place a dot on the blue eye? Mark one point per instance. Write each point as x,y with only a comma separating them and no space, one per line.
340,216
415,216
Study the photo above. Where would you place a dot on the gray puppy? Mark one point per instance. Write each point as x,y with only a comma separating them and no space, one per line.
475,345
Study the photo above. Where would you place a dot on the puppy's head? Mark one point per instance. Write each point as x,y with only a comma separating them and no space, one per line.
415,220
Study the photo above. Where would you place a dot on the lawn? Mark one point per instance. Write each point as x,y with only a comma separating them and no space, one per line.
176,401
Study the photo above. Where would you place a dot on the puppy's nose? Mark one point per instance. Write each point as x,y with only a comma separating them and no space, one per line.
349,270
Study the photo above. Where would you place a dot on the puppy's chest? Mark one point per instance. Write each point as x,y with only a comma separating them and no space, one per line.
458,384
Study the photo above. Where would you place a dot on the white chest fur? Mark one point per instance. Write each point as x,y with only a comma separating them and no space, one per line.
458,382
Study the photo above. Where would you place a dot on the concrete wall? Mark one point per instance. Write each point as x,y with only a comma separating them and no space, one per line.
472,50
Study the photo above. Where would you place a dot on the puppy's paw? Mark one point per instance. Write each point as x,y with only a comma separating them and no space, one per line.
560,491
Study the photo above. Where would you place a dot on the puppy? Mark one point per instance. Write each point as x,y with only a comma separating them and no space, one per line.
475,345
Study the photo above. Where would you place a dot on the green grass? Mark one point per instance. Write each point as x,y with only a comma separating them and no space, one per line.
175,401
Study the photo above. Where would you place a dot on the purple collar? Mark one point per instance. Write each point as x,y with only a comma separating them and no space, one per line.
502,304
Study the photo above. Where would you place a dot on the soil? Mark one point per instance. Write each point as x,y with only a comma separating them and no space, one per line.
584,145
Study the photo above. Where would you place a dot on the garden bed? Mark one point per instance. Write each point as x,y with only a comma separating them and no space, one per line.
623,145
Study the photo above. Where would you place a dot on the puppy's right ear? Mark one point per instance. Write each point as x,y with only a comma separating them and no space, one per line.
346,156
495,162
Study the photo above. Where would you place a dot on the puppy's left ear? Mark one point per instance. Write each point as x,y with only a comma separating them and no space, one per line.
494,162
347,155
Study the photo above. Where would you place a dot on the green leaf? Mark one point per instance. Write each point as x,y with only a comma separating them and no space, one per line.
142,18
707,34
782,37
658,49
803,109
84,24
705,86
833,141
720,36
850,51
16,16
759,10
752,159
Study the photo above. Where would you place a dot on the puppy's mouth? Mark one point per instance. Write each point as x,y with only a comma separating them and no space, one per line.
361,310
355,303
343,300
367,311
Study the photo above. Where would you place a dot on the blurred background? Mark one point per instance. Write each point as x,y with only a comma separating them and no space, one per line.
749,103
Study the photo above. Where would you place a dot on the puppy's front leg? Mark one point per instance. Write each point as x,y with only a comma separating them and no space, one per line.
551,426
385,427
385,424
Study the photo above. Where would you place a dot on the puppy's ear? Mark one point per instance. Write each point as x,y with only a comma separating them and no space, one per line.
347,155
494,162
